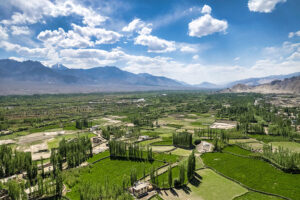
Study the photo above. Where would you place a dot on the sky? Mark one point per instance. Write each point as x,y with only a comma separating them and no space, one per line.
193,41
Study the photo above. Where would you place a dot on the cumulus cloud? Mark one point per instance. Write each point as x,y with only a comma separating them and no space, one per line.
63,39
134,25
144,37
206,9
20,30
293,34
195,57
206,25
31,12
24,51
79,37
265,6
3,32
155,44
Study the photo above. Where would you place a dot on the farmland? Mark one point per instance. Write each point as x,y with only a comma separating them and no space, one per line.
179,129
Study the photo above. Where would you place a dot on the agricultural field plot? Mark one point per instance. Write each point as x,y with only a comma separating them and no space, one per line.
249,140
255,174
182,122
181,152
207,186
115,170
223,124
256,196
292,146
148,142
162,148
236,150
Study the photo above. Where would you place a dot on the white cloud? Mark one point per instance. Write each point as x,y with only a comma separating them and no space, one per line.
63,39
19,59
34,11
292,34
20,30
195,57
206,9
134,25
265,6
155,44
236,59
188,49
103,36
79,37
144,38
3,32
206,25
24,51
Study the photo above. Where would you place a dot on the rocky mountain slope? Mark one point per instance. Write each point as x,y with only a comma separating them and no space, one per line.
286,86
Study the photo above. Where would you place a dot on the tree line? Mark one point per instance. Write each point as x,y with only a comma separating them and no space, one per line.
119,149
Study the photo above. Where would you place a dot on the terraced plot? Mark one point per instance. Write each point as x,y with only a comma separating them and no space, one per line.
255,174
208,186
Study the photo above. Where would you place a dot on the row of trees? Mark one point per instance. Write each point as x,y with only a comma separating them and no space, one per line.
85,123
284,157
74,152
119,149
14,162
183,139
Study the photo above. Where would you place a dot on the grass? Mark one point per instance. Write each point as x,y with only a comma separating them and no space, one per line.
148,142
270,138
293,146
115,170
181,152
55,142
163,178
163,143
213,186
256,196
98,156
207,185
237,150
256,174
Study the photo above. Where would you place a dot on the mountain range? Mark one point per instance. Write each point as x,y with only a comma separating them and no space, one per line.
29,77
32,77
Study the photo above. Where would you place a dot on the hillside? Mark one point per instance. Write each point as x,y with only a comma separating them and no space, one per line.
288,85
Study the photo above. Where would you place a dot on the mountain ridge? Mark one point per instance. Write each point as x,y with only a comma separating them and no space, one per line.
286,86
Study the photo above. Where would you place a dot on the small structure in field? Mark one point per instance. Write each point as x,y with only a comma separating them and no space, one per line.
96,140
204,147
141,188
143,137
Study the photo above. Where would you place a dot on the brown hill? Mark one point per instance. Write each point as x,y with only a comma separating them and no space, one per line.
286,86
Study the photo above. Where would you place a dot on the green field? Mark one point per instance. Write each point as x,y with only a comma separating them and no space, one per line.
236,150
98,156
207,186
163,178
115,170
256,196
292,146
181,152
256,174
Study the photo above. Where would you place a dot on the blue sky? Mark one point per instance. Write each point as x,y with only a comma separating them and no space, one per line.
188,40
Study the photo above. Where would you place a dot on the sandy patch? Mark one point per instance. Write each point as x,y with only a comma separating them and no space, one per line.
42,136
162,148
7,142
223,125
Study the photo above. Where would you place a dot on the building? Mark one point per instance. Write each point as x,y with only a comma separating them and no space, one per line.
143,137
140,189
